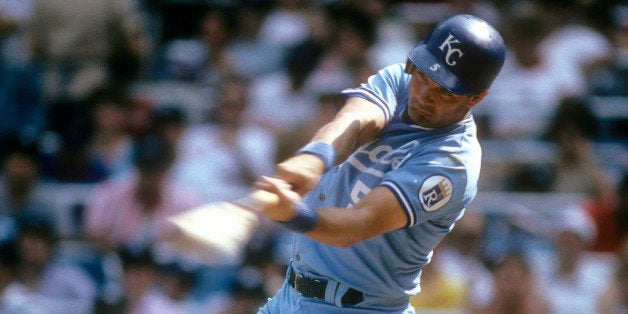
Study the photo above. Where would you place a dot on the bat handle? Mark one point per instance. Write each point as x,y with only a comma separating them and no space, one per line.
257,200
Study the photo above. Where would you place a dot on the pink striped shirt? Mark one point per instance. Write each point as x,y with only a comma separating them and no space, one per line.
113,212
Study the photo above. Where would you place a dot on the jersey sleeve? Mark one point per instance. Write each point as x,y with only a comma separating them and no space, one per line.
386,89
429,191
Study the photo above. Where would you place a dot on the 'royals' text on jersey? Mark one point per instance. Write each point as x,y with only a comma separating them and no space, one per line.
432,172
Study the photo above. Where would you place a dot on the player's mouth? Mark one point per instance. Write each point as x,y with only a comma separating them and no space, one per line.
417,109
423,113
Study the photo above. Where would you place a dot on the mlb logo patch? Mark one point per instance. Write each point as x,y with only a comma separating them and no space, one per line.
435,192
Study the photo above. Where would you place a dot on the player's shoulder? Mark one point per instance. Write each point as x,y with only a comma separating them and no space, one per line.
392,75
395,69
453,145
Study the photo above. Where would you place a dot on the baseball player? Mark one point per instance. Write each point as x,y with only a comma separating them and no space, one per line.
386,180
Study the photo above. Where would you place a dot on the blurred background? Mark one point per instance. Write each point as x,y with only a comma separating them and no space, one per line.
116,114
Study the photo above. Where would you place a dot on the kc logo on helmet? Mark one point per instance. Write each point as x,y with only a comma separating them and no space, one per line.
451,51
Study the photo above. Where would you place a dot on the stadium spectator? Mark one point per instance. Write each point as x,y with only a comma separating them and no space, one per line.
20,186
43,282
286,23
14,19
530,86
611,78
8,268
516,289
346,58
573,129
23,112
216,34
461,257
576,42
112,141
247,41
285,99
20,183
66,156
224,155
171,292
288,144
615,296
611,219
139,276
169,122
81,46
129,210
439,291
575,277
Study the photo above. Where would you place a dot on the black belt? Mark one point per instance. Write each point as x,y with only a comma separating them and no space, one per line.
315,288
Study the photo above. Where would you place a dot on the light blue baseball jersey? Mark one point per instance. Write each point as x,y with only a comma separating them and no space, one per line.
432,172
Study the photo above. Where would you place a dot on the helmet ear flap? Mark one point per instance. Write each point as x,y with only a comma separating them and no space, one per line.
410,67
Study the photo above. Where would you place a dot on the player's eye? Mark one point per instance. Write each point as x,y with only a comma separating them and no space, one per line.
421,75
446,94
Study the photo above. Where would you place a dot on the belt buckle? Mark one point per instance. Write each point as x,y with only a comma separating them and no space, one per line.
297,278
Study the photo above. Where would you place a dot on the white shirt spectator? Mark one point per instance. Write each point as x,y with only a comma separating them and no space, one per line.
215,169
522,100
63,289
576,48
14,47
575,278
284,27
276,106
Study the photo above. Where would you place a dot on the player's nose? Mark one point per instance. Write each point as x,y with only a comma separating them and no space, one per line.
428,94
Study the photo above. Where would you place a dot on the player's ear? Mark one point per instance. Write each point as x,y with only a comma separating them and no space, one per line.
474,99
410,67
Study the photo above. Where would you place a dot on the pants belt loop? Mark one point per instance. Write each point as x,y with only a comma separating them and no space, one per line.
331,291
340,292
334,291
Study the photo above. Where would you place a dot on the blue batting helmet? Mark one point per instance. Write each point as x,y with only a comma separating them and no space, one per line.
463,53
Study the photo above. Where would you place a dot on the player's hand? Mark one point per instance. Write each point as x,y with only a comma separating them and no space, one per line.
302,172
284,209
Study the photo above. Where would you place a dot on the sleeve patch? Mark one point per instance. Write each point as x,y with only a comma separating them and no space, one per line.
435,192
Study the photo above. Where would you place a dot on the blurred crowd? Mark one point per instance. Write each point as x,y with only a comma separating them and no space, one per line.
118,114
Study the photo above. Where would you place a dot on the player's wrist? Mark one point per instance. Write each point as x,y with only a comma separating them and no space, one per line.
324,151
305,220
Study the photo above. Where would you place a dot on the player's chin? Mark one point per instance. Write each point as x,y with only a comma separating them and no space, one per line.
419,117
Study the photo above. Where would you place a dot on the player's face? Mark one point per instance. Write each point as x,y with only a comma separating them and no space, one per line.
432,106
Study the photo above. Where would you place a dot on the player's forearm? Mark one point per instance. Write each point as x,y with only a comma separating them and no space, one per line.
345,227
358,122
339,227
377,213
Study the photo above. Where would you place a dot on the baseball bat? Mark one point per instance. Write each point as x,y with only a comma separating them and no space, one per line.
221,229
